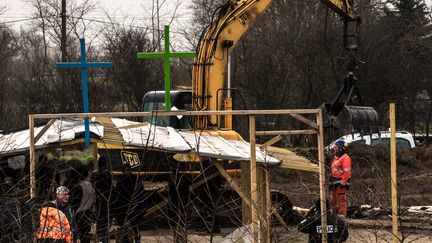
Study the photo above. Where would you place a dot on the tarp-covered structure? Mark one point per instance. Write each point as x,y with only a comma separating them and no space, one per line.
135,134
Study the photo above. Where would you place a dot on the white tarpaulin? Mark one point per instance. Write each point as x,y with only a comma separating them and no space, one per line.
60,131
150,136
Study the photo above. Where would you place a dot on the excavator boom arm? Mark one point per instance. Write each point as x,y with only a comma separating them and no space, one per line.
234,18
343,7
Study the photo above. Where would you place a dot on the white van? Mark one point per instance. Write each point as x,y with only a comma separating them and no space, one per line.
403,139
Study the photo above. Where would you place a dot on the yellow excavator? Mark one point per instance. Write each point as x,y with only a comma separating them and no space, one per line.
209,70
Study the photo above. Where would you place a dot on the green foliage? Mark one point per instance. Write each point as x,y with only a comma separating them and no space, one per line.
72,156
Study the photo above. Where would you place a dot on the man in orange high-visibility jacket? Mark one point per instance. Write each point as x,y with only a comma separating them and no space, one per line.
53,226
56,223
339,178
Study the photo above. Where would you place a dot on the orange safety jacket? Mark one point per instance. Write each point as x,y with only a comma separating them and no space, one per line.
53,224
341,171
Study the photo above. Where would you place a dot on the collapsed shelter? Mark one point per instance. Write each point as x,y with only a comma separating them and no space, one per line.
179,152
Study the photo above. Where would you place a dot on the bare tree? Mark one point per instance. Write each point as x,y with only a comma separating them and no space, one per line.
8,49
131,76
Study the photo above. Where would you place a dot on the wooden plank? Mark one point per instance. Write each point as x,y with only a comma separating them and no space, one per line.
264,199
279,217
44,129
245,188
178,113
253,179
203,181
32,156
113,142
232,183
393,173
303,167
290,160
111,133
134,125
321,160
305,120
271,142
286,132
287,155
155,208
78,141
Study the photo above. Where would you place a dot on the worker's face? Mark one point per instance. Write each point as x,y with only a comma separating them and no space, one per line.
63,197
336,149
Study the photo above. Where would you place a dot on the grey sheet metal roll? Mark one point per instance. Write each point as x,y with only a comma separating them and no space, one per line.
363,119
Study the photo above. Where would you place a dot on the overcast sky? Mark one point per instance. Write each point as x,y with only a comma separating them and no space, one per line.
138,11
19,8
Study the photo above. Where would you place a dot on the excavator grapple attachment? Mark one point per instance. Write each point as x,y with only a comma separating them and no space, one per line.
363,119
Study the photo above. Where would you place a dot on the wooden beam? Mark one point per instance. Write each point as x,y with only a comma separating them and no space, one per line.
231,182
155,208
78,141
32,156
203,181
271,142
290,160
112,143
245,189
133,125
299,166
305,120
279,217
44,129
253,179
321,161
178,113
264,200
286,132
393,173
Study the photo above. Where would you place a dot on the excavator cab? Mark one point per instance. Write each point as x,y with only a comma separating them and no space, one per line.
155,101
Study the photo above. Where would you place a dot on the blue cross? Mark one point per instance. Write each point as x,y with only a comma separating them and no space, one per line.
83,65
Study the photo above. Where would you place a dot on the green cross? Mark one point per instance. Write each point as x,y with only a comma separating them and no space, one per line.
166,55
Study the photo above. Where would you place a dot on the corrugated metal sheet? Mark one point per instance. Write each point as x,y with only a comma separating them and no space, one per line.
164,138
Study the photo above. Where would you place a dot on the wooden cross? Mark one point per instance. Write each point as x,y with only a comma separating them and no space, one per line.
84,65
167,55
